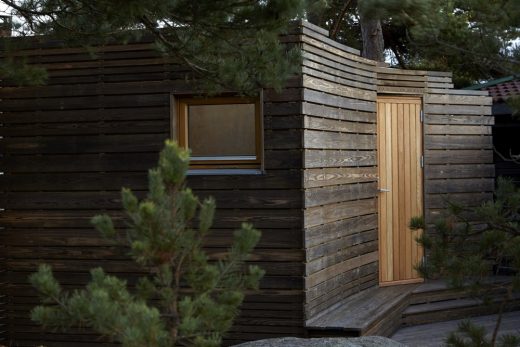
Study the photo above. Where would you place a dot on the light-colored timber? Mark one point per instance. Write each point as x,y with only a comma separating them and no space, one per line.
400,187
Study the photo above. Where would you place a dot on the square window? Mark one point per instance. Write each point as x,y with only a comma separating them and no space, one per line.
223,132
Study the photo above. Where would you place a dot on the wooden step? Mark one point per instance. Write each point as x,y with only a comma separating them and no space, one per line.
375,311
453,309
438,290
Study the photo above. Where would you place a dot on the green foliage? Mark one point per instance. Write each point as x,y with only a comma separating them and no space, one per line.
227,44
471,335
473,38
186,299
15,69
468,254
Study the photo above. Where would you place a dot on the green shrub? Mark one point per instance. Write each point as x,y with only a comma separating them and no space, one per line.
185,299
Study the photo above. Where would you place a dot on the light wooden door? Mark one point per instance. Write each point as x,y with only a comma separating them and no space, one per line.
400,187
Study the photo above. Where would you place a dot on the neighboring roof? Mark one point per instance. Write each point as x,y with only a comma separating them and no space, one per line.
500,89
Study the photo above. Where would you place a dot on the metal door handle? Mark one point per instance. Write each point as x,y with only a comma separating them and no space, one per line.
384,190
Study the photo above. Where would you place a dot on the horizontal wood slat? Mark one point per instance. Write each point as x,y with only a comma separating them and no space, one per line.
68,147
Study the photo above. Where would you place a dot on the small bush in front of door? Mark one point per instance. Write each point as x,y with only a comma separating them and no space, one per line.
483,257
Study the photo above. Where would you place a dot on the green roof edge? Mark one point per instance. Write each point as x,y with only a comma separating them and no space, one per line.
492,82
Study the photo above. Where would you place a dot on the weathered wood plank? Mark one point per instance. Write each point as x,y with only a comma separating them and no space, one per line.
329,289
336,89
460,185
442,201
458,156
458,142
401,77
120,162
78,116
81,219
459,171
457,109
337,113
338,229
322,177
113,181
88,237
281,109
337,158
389,71
458,91
84,144
439,79
440,85
330,213
320,276
126,88
277,139
86,128
447,99
285,95
338,294
333,194
315,123
434,129
313,139
330,260
312,68
400,90
282,159
337,101
86,102
401,84
458,119
314,58
78,200
333,252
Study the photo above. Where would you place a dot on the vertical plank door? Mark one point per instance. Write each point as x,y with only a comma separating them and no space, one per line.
399,130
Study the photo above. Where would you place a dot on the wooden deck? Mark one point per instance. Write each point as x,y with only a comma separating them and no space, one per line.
384,310
375,311
433,335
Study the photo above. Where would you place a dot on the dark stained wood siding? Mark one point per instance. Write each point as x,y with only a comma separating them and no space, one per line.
98,124
458,148
339,179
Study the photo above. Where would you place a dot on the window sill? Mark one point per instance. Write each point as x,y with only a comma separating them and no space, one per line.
224,172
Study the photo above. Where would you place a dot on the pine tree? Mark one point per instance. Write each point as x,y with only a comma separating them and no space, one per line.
475,39
226,44
468,254
186,298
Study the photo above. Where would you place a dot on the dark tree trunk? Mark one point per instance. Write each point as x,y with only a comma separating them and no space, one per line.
372,35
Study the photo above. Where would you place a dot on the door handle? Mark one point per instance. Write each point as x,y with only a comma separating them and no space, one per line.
384,190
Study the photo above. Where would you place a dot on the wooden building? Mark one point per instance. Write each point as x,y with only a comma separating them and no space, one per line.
338,163
506,127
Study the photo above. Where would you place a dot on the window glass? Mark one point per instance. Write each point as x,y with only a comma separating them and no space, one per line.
217,131
221,132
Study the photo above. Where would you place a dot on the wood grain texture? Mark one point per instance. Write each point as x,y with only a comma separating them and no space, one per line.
68,148
339,177
400,199
99,122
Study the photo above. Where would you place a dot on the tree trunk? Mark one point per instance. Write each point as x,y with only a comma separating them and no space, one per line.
372,35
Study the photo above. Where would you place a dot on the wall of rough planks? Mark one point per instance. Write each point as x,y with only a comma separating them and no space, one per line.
98,125
340,160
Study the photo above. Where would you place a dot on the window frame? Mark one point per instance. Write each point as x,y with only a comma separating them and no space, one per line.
182,105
